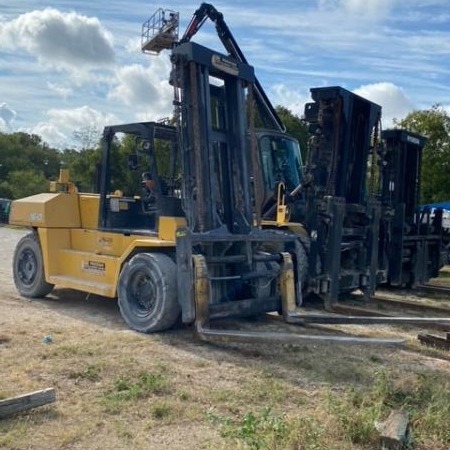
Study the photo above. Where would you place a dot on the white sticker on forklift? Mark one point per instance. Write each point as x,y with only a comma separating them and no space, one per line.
36,217
94,267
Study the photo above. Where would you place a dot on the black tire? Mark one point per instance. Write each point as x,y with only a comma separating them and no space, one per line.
28,268
147,293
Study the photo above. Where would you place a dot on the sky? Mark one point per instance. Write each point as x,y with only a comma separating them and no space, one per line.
70,66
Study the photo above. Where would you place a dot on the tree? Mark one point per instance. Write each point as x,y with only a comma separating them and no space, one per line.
296,127
434,124
25,161
27,182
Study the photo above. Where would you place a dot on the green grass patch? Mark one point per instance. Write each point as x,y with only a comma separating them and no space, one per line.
90,373
161,410
126,389
425,398
264,430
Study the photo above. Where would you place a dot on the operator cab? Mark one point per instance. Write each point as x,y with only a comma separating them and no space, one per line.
149,186
281,162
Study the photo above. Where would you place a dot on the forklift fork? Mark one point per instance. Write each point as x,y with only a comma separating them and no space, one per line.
287,288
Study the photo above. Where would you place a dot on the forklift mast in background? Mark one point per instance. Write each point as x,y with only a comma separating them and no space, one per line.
339,210
406,231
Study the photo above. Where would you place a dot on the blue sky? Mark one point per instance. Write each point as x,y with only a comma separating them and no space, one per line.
68,65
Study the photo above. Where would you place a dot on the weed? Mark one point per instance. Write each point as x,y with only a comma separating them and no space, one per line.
90,373
183,395
356,415
426,399
161,410
265,430
125,389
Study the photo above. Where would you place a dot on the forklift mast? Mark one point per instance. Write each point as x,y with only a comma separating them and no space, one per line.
215,151
401,174
405,230
338,207
343,125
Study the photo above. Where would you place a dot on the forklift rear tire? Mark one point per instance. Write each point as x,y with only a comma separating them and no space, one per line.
28,268
147,293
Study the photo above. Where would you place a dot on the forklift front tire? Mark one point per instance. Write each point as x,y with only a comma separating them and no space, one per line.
147,293
28,268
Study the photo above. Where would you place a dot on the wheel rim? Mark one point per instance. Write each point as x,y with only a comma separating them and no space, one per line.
142,294
27,267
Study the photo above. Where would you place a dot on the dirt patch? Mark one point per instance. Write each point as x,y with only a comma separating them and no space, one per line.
119,389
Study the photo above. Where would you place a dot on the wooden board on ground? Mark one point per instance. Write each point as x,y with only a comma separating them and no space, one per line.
14,405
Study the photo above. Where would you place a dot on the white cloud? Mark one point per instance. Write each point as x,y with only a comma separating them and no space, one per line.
368,7
61,124
392,99
58,39
293,100
7,115
365,8
133,45
62,91
50,134
145,88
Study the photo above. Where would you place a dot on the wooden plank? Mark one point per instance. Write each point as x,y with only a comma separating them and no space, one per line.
25,402
394,431
435,341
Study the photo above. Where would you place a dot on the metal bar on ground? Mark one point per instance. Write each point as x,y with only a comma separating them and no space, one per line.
411,305
435,287
207,334
366,320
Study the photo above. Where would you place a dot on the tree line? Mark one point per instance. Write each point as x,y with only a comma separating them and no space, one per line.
27,163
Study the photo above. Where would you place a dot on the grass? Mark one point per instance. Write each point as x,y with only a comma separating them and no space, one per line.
126,389
426,399
264,429
119,389
345,418
91,373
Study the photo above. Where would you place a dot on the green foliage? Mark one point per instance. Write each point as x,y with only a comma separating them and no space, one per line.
266,430
26,165
296,127
434,123
26,182
82,166
426,399
128,390
161,410
90,373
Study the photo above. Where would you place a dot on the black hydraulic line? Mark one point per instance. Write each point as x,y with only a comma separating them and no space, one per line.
206,11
